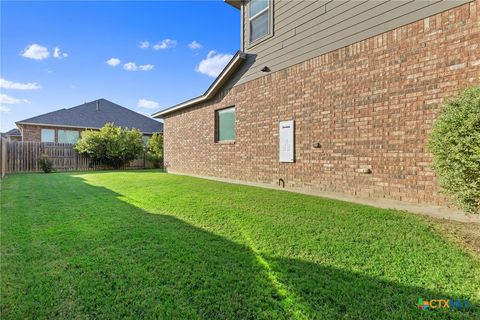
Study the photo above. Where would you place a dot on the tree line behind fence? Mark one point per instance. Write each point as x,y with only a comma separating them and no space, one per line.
17,156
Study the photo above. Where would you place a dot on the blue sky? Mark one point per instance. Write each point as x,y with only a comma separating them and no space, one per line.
54,54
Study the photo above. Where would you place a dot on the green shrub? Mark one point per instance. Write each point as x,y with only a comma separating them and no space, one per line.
155,149
112,146
45,163
455,145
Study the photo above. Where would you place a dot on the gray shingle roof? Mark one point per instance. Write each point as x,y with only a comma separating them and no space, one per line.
13,132
87,116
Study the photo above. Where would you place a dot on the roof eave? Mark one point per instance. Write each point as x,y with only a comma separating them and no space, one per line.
69,126
52,125
226,73
234,3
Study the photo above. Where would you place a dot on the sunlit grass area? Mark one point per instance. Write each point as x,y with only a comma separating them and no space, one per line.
146,244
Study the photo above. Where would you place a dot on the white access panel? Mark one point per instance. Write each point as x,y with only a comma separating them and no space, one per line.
287,141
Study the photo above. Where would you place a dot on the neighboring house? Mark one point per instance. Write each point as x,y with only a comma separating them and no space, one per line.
12,135
330,96
66,125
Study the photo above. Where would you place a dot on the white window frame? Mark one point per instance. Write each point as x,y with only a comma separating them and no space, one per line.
217,126
267,35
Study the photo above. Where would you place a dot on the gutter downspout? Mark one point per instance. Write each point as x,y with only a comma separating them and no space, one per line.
242,27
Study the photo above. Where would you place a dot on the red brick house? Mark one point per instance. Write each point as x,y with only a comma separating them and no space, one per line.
66,125
335,96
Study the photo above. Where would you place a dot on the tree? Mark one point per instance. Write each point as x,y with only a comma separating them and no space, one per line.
113,146
455,146
155,149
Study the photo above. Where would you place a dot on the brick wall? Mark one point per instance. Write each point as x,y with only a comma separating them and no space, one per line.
369,105
33,133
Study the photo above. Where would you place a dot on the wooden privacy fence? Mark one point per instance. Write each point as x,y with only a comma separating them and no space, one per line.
17,156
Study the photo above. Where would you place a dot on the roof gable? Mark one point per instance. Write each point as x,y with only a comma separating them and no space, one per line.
227,72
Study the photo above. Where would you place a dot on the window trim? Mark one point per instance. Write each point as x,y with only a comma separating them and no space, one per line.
259,13
266,36
217,126
41,135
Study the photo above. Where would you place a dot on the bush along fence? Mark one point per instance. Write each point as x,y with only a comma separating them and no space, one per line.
19,156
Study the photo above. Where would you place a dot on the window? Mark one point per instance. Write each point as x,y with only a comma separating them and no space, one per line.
47,135
68,136
225,124
259,19
145,140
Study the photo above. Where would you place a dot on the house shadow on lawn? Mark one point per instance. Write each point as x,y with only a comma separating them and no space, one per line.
96,256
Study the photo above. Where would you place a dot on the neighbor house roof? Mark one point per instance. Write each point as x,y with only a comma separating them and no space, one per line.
94,115
13,132
237,60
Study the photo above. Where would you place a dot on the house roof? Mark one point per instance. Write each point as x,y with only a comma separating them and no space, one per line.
237,60
88,116
13,132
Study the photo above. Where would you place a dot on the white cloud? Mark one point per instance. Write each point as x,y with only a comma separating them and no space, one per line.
130,66
4,109
35,51
146,67
113,62
148,104
165,44
194,45
58,54
5,84
38,52
144,44
214,63
6,99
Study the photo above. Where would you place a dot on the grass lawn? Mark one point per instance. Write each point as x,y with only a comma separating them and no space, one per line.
145,244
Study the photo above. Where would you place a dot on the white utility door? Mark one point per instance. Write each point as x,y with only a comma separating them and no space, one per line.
287,141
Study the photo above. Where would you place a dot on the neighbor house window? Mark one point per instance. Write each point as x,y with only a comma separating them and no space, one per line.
225,124
259,19
47,135
145,139
68,136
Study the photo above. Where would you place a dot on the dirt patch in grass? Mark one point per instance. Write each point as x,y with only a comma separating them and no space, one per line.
466,234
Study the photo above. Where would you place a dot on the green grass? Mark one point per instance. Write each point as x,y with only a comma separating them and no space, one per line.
147,244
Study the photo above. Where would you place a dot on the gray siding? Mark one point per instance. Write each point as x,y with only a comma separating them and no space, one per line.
306,29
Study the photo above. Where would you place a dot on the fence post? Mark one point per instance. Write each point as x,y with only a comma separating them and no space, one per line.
3,154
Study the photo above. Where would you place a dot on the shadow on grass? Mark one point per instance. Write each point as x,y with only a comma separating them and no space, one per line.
81,252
